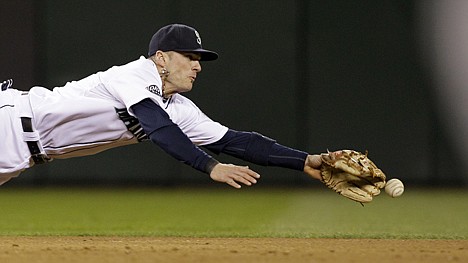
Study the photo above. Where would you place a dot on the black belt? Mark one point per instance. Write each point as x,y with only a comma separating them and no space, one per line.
33,146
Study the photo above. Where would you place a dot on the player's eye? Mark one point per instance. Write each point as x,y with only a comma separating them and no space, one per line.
193,56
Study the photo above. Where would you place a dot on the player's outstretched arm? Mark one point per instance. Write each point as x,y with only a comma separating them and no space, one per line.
234,175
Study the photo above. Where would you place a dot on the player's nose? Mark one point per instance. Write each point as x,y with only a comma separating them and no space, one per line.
196,66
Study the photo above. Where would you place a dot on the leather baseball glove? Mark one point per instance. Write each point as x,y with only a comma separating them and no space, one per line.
352,174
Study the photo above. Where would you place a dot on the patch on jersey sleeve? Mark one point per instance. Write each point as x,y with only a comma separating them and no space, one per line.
154,89
157,90
132,124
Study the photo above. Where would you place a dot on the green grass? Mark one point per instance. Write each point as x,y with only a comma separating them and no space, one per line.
303,213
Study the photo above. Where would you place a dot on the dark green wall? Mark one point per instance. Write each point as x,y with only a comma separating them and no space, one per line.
315,75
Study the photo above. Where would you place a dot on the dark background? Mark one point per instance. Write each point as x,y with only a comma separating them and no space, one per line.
314,75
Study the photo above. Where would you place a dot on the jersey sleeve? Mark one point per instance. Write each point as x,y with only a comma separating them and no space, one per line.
201,129
134,83
170,138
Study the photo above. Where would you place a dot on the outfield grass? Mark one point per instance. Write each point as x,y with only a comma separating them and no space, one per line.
303,213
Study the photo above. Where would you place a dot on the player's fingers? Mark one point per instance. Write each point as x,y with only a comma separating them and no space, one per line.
250,172
250,179
233,175
251,175
233,183
314,161
245,179
314,173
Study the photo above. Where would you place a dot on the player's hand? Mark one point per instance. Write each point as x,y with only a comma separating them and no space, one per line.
313,163
234,175
312,166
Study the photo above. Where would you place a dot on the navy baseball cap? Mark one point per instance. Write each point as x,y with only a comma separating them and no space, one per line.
180,38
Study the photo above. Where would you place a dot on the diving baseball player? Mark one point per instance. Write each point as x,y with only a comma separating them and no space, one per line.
131,103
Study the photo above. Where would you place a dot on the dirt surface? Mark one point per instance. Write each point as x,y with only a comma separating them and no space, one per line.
156,249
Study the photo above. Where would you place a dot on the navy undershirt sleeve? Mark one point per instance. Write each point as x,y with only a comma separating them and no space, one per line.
266,151
162,131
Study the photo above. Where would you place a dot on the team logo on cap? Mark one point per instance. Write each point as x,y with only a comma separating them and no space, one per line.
198,37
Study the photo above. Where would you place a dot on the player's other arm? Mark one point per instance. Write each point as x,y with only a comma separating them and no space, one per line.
256,148
167,135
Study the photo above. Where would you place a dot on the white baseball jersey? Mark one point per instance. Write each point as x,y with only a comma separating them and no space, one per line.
14,153
87,116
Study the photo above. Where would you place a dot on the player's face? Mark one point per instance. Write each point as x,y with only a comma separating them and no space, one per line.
183,69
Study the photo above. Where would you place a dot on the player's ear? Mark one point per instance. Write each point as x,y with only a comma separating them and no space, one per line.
160,56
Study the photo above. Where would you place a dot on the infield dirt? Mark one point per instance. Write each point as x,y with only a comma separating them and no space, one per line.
172,249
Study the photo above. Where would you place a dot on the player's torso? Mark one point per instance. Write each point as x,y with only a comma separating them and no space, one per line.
88,116
77,126
91,115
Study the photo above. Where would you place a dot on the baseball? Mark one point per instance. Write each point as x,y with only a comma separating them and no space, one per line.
394,188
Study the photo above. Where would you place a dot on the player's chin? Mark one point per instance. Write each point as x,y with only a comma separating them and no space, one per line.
184,89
